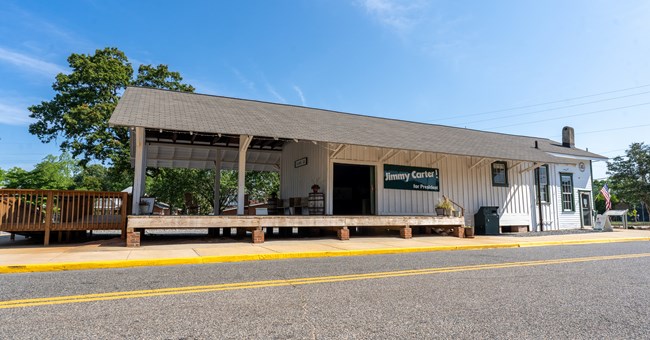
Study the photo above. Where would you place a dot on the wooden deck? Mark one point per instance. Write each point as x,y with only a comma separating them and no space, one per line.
46,211
256,224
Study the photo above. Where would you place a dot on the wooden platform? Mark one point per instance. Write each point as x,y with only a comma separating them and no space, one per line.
256,224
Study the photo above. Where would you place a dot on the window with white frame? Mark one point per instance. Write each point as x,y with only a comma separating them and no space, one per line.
566,182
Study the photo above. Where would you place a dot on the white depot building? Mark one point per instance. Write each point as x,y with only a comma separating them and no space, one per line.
364,165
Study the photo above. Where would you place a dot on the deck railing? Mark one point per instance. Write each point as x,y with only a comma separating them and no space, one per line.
61,210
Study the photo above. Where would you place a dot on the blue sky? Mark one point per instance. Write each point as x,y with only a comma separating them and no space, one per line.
476,64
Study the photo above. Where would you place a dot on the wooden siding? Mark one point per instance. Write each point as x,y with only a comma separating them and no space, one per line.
467,180
581,181
297,182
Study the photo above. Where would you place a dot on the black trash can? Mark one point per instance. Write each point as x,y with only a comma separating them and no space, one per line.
486,221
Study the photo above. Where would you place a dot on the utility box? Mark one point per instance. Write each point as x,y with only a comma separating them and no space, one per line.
486,221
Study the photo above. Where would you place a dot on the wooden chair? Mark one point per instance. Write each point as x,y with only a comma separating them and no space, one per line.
191,206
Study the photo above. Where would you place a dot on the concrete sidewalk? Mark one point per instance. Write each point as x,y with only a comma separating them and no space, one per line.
20,256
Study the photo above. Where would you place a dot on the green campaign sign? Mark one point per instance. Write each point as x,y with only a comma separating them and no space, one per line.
411,178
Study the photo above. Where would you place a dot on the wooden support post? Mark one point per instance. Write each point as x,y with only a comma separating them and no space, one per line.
217,183
338,150
343,234
123,206
244,142
48,217
139,176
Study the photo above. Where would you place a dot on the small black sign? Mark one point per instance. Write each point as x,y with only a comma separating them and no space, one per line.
300,162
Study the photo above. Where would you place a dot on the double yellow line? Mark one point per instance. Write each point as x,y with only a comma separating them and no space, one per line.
294,282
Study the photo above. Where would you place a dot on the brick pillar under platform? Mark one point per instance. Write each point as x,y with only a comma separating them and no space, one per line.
343,234
406,232
133,239
258,236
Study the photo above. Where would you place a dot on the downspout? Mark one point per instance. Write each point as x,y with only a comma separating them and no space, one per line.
539,197
593,199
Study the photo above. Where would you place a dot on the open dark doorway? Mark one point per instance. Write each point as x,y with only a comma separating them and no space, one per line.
353,192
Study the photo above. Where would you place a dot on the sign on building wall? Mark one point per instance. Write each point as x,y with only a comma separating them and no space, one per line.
411,178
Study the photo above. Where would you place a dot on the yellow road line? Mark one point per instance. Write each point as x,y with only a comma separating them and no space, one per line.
297,281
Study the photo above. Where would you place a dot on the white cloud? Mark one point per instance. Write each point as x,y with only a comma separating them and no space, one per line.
29,63
300,94
13,113
242,79
275,94
400,16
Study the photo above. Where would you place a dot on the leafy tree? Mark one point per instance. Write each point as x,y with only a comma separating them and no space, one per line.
170,185
53,172
18,178
93,177
85,99
630,174
2,177
259,186
79,113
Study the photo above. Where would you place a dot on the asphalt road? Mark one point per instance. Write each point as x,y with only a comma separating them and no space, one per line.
578,292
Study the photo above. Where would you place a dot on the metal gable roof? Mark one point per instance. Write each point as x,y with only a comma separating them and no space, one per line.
179,111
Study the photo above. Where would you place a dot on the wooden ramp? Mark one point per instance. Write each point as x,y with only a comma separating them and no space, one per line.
256,224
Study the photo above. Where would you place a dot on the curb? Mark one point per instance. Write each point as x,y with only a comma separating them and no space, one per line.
51,267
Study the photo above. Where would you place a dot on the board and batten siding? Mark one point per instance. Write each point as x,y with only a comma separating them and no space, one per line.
469,187
297,182
465,180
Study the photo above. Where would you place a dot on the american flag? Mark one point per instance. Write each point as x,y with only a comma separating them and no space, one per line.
608,201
